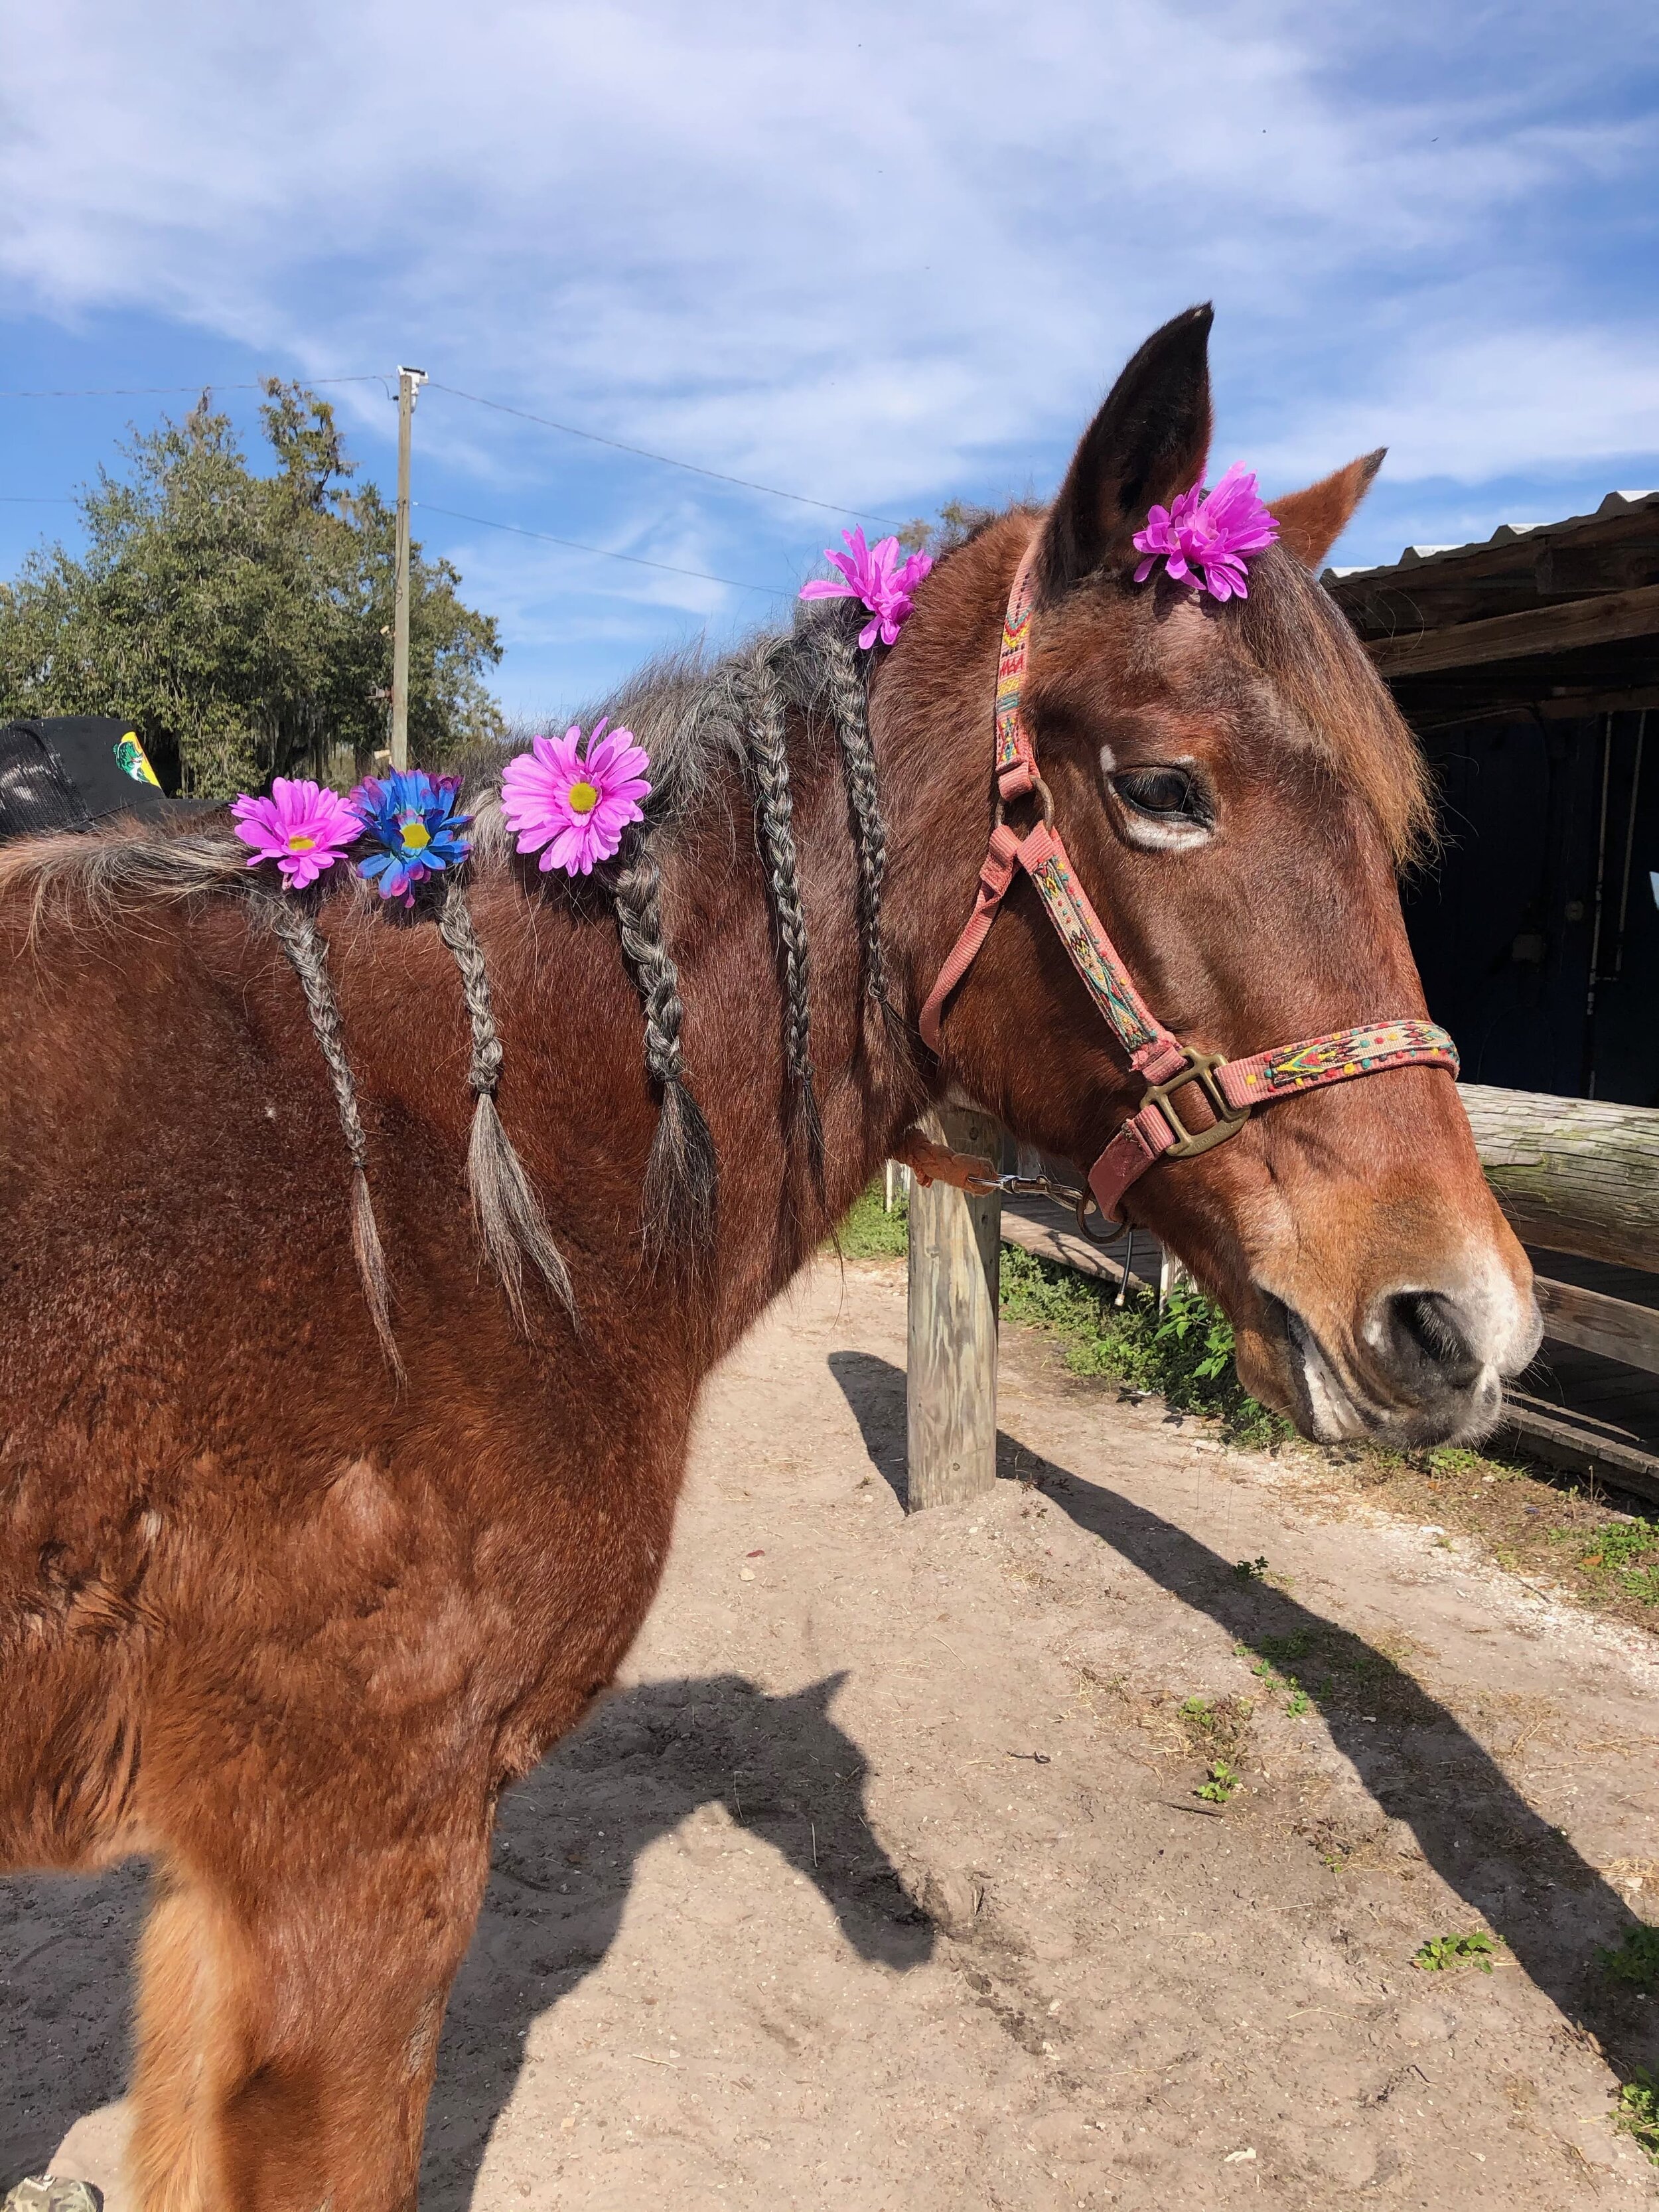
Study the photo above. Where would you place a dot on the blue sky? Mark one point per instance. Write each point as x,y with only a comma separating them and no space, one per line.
884,257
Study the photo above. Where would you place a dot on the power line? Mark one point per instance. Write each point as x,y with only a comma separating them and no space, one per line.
644,453
575,545
164,391
496,406
31,499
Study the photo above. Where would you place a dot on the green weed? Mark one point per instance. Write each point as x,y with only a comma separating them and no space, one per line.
1251,1571
1636,2112
1223,1781
1442,1953
869,1232
1185,1354
1628,1552
1637,1958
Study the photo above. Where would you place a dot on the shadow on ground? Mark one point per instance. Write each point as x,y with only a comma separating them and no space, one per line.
563,1862
1520,1874
566,1844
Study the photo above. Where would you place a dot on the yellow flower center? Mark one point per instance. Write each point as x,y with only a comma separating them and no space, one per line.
300,844
416,836
583,798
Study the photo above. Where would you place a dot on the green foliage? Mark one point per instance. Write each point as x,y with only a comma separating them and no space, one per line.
1251,1571
869,1232
244,622
1441,1952
1637,1958
1185,1353
1636,2112
1627,1553
1223,1781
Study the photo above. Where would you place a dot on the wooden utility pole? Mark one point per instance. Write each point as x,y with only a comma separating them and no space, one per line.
409,381
951,1388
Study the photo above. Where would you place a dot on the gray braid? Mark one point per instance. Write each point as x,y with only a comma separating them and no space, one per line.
306,950
846,683
681,1178
769,765
511,1223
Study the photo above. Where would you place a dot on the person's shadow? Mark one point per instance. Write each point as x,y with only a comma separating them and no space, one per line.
1475,1829
563,1864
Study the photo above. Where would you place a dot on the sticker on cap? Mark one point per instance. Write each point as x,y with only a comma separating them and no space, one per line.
132,760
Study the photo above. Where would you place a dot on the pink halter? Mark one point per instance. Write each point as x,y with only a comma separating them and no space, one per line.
1220,1094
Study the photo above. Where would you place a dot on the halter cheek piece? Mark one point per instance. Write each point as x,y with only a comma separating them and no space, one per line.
1193,1100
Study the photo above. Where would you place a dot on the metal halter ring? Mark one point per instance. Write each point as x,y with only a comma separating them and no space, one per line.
1201,1069
1039,791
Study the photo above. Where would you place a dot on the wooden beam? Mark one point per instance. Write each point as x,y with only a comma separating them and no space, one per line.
1612,1327
951,1379
1573,1175
1514,637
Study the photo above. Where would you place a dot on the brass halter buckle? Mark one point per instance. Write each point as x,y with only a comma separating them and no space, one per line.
1201,1069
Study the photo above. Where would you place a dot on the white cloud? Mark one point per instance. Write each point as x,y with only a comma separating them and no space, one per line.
877,253
876,243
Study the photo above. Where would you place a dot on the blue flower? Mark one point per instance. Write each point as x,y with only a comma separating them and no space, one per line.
410,818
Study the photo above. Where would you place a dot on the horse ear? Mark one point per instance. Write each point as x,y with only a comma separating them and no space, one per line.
1311,521
1148,442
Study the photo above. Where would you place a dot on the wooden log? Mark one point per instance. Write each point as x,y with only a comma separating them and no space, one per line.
1558,628
1612,1327
1573,1175
950,1381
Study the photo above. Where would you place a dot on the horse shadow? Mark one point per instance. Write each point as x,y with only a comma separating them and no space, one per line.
1471,1824
566,1844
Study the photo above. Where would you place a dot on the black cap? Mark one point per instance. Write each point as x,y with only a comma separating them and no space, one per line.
68,771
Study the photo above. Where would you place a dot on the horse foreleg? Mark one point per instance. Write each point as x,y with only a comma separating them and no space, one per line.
287,2045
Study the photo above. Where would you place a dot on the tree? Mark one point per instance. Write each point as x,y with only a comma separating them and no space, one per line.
242,622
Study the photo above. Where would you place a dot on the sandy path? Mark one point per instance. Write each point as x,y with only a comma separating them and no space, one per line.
703,1978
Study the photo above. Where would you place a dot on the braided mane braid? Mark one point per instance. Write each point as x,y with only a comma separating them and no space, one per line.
511,1223
306,950
768,767
682,1178
845,682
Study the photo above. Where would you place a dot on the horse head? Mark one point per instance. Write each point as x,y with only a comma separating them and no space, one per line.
1237,796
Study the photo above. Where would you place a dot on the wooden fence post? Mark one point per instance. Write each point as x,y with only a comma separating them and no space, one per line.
951,1383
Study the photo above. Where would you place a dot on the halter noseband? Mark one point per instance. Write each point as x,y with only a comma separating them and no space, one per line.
1217,1096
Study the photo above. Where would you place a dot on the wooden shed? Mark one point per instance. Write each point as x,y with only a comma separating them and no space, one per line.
1528,664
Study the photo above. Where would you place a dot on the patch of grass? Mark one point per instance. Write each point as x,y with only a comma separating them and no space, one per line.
869,1232
1185,1353
1223,1781
1627,1553
1441,1952
1637,1958
1216,1725
1636,2112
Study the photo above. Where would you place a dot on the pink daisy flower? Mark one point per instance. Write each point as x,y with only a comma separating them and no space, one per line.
1204,540
570,805
875,574
302,826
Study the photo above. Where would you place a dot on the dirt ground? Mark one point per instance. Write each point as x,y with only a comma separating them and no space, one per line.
884,1884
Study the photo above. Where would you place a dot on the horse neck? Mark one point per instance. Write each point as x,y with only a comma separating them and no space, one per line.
779,1198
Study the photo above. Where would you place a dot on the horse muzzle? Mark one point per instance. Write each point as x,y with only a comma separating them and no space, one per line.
1422,1364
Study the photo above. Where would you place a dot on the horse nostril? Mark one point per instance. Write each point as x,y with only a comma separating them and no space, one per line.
1422,1329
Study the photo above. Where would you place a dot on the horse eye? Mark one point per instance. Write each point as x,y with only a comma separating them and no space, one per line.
1160,791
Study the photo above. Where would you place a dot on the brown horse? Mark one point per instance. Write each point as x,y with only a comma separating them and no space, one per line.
288,1627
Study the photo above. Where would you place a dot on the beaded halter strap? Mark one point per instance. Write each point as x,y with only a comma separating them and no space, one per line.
1217,1095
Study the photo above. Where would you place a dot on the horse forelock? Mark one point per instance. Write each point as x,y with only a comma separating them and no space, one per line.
1295,634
